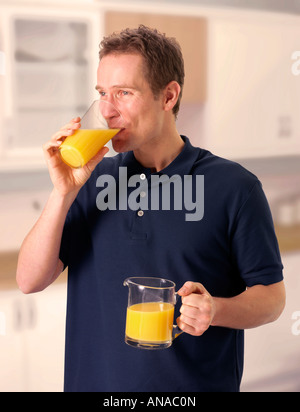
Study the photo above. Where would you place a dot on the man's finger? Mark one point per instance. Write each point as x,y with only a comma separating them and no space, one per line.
191,287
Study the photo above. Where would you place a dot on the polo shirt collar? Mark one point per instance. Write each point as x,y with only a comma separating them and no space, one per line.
181,165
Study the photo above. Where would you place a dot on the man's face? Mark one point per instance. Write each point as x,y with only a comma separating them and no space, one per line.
121,81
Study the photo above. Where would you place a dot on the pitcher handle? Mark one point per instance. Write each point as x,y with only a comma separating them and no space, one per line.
176,329
176,332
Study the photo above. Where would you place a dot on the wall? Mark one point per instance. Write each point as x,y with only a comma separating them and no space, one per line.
272,354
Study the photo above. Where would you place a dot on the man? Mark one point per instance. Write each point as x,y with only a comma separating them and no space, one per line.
226,262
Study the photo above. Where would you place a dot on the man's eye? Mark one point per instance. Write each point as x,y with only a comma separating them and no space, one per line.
123,93
102,94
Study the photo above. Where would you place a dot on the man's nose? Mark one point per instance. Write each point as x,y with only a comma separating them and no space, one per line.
108,110
111,114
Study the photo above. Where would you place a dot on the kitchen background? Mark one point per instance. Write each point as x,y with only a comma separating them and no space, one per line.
241,101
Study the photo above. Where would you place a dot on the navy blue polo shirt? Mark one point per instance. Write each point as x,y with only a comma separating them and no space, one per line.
230,246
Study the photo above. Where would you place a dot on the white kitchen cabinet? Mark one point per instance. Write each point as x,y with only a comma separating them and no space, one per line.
19,211
51,63
254,98
12,359
272,351
32,343
185,29
46,340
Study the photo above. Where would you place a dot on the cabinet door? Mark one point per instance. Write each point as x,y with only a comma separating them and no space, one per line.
52,61
32,340
191,33
292,92
12,361
19,211
252,92
45,339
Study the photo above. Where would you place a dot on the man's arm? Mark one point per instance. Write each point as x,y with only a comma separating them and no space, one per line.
254,307
38,263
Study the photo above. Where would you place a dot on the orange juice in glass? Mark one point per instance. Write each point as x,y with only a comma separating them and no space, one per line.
150,313
85,143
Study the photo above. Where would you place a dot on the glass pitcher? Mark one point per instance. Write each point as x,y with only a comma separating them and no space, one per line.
150,313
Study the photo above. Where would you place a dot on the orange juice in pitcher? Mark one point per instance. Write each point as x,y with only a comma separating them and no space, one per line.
150,313
151,321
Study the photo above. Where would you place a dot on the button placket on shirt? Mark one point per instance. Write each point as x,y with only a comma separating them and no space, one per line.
138,232
143,194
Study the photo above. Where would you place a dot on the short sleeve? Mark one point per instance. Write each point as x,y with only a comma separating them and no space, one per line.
64,249
71,231
254,244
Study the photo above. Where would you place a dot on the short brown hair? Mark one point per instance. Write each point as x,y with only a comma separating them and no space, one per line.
162,56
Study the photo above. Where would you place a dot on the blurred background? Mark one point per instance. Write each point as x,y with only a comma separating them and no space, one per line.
241,101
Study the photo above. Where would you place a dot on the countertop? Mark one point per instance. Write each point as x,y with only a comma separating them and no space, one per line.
288,239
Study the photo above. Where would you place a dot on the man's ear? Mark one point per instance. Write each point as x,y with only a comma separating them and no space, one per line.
171,94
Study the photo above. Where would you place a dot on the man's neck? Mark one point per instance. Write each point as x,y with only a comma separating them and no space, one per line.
159,155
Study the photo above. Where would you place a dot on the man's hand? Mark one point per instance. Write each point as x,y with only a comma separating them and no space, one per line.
64,178
254,307
197,310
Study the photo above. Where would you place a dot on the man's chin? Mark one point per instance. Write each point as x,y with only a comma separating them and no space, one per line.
120,146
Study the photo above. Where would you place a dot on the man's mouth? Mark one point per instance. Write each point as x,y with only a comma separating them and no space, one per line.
119,132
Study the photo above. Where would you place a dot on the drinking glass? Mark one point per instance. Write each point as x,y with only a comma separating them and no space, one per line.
85,143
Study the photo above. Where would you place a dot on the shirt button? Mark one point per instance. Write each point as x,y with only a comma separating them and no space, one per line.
142,176
140,213
143,194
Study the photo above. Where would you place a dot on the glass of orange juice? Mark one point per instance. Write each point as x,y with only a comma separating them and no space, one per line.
85,143
150,313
